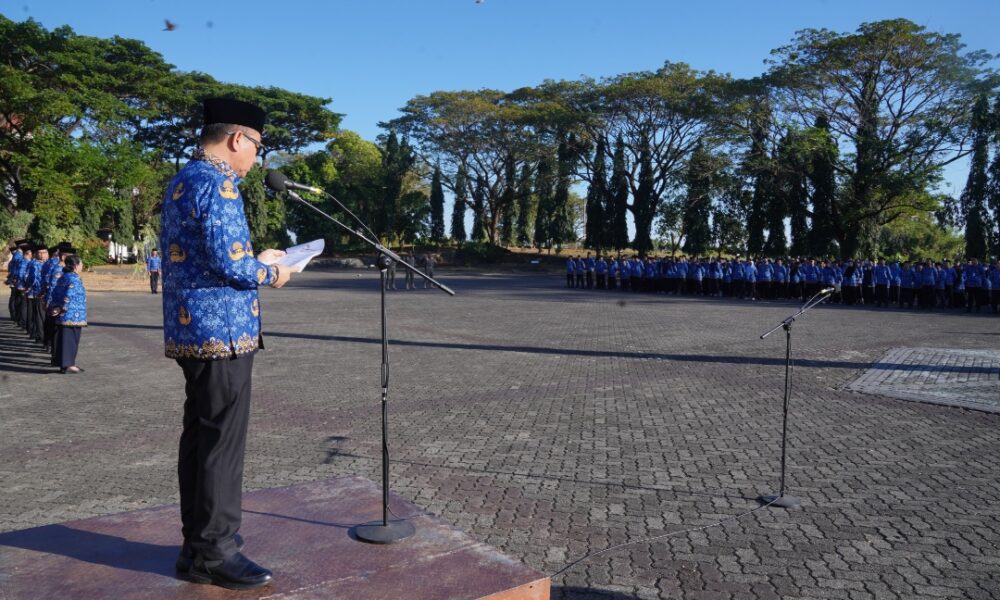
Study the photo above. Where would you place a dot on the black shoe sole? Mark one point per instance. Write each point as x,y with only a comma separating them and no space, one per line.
208,579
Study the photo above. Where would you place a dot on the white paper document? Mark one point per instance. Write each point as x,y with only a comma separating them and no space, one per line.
297,257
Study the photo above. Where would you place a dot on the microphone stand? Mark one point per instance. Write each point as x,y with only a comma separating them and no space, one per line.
384,531
781,500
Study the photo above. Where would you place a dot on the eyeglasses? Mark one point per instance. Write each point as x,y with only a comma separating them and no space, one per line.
261,148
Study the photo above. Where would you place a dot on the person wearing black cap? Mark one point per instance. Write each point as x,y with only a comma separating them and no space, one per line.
211,326
33,291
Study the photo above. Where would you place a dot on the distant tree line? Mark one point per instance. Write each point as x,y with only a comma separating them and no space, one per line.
837,149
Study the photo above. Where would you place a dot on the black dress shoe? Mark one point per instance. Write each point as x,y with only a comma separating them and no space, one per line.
235,573
186,558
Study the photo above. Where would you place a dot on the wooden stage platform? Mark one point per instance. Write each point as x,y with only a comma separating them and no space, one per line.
302,533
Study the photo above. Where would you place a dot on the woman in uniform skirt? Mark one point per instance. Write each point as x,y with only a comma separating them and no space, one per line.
69,308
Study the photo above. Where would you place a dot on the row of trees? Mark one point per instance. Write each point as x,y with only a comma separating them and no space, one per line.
91,129
837,149
841,143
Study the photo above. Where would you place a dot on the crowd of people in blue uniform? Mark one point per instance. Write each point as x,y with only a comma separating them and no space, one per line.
926,284
47,299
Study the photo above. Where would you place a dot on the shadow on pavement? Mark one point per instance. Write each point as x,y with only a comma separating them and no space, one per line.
568,592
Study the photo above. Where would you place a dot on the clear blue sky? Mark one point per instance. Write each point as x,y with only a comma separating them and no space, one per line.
371,56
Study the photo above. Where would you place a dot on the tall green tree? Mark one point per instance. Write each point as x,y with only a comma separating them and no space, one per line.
597,228
618,194
509,217
825,225
898,98
524,207
699,181
545,214
461,189
974,210
437,206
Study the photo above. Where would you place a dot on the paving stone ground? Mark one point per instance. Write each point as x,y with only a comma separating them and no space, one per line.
967,378
553,423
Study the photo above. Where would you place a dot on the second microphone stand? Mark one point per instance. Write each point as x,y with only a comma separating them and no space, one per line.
384,531
781,500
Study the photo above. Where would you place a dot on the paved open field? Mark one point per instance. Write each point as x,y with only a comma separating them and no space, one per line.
554,423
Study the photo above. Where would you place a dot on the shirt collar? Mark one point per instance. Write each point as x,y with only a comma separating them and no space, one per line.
220,165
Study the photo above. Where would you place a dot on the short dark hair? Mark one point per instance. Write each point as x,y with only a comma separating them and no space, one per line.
215,133
70,262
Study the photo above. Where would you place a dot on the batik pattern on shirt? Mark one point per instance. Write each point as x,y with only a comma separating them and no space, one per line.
211,309
70,296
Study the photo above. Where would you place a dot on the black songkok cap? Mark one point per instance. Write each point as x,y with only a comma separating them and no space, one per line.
64,246
234,112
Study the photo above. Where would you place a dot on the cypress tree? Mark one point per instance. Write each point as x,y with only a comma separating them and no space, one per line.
461,202
822,177
973,200
478,233
993,187
698,179
507,205
543,191
618,195
757,164
561,229
523,233
597,194
643,203
437,206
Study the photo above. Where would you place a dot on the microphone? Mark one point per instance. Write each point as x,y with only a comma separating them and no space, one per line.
277,181
828,290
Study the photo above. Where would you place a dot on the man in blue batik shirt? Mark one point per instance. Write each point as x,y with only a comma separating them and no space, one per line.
211,326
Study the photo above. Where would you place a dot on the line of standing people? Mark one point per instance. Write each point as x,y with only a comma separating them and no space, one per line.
47,298
923,284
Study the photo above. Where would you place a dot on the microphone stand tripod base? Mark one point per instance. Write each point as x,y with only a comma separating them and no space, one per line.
384,532
780,501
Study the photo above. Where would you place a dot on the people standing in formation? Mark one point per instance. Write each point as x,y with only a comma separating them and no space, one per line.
153,264
42,304
212,328
923,285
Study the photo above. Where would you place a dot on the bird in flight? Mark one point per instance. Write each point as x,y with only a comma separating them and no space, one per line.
169,25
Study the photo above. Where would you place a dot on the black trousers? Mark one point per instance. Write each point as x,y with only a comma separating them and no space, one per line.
36,318
49,331
67,344
210,460
11,302
22,308
154,281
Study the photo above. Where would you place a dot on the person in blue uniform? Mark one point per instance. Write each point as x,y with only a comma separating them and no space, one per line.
581,272
153,264
637,270
602,273
13,265
36,315
612,273
895,283
880,277
949,276
570,272
69,308
20,283
973,275
908,284
994,279
52,276
591,266
212,328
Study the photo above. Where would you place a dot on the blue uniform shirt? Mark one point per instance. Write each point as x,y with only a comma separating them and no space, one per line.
153,263
55,273
70,296
211,310
570,265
